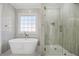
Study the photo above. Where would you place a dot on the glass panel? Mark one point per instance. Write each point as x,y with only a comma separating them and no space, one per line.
53,40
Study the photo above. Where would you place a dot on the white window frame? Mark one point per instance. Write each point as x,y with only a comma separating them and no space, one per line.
22,14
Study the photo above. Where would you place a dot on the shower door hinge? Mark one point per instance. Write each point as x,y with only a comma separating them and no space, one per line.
61,28
44,7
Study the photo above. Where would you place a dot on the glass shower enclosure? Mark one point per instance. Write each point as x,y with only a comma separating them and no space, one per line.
61,29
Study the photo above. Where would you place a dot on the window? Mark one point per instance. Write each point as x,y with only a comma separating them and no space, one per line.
28,24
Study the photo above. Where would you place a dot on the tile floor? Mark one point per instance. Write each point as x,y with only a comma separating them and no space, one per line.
9,53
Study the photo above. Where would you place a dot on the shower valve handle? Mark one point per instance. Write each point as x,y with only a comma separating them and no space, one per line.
61,28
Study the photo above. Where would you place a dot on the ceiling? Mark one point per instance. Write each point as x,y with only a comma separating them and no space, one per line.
26,5
34,5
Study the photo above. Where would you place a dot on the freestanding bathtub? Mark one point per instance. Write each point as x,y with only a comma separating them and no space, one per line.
23,45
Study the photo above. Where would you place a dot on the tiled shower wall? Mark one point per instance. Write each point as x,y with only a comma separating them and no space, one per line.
70,19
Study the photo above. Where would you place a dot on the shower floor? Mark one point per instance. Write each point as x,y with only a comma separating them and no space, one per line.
56,50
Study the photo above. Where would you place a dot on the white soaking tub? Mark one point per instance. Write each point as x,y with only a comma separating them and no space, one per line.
23,45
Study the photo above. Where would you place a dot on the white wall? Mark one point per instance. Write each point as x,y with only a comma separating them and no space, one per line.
0,25
8,26
21,12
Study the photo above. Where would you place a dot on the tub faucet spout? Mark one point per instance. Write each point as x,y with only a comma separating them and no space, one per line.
26,35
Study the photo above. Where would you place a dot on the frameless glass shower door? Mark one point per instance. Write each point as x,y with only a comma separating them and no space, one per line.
53,31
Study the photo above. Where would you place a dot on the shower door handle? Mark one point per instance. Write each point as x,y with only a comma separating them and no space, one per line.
61,28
